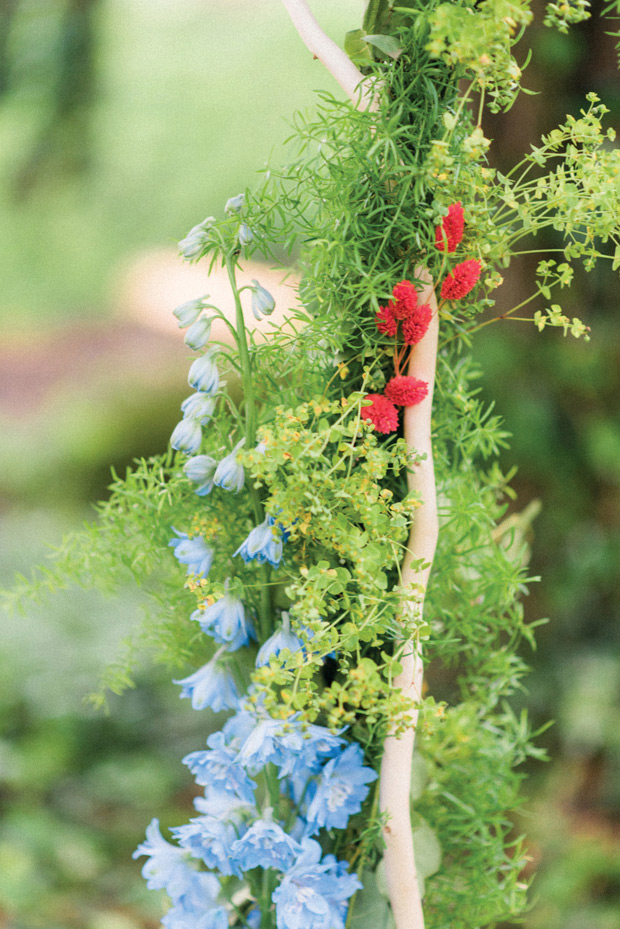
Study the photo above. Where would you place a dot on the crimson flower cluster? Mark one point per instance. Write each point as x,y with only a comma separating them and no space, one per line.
406,320
403,315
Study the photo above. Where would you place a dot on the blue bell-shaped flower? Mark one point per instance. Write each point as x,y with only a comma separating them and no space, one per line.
230,474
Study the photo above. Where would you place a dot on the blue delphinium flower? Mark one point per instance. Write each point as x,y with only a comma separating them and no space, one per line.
187,436
180,918
271,740
194,552
198,333
314,894
230,474
341,790
199,406
197,906
264,543
225,805
210,838
211,686
203,374
226,621
281,639
193,245
189,312
317,744
219,768
263,303
238,727
166,868
200,470
265,845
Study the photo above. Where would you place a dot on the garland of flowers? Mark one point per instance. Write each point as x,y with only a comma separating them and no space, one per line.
302,506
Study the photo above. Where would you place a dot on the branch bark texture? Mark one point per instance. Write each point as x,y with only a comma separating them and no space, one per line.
400,866
357,88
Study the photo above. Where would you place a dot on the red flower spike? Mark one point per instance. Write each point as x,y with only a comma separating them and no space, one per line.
448,236
461,280
381,413
405,300
386,321
406,391
415,327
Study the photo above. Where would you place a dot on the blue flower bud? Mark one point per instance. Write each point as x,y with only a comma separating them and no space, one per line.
230,474
198,333
187,436
203,374
234,204
263,303
189,312
200,470
192,246
211,686
199,406
245,234
281,639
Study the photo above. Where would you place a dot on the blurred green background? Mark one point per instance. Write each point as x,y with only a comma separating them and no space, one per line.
123,123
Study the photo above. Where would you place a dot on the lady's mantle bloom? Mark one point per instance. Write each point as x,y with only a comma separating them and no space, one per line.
415,326
201,470
230,474
265,845
264,543
340,791
219,768
194,552
210,686
226,621
461,280
386,321
313,894
406,391
449,234
381,413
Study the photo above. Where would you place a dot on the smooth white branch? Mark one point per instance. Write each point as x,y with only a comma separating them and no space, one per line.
400,867
358,88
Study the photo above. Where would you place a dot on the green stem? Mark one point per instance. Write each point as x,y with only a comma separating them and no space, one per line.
249,401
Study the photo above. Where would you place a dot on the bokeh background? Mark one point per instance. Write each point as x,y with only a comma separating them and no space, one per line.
123,123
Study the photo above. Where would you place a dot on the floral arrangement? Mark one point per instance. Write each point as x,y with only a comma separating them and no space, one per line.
287,542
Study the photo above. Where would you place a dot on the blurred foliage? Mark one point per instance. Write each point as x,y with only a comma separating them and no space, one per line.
176,113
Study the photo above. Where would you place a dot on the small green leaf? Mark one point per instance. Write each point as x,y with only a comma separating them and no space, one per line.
387,44
357,49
